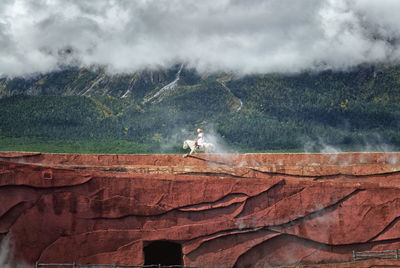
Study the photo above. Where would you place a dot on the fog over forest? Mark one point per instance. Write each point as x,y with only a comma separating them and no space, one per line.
244,37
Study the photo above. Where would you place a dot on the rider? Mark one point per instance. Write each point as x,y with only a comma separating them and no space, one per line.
199,141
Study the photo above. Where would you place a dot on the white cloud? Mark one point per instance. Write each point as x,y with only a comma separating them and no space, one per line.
242,36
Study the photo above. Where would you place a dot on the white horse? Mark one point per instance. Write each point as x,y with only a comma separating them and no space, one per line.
206,147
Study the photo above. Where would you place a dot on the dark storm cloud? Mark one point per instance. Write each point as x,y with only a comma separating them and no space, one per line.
241,36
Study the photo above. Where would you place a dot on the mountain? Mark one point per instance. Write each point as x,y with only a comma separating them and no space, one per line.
91,110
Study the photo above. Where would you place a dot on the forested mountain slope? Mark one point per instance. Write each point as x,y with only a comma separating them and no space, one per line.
90,110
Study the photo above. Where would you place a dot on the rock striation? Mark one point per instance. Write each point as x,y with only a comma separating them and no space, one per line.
225,210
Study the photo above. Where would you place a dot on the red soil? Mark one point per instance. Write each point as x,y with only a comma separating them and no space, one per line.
224,210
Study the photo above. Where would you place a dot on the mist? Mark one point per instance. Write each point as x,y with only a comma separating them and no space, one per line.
6,253
371,143
244,37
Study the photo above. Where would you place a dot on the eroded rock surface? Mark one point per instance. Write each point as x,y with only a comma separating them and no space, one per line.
224,210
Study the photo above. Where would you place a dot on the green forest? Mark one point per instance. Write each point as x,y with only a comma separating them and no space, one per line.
354,110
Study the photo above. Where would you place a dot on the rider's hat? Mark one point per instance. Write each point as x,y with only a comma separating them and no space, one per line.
199,130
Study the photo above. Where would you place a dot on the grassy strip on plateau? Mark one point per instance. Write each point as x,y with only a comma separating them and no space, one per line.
73,146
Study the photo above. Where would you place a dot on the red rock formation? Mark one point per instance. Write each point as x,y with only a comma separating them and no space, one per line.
224,210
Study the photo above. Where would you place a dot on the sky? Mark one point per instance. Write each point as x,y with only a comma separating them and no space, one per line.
245,37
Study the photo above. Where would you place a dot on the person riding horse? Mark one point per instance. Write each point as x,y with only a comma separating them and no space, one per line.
199,141
198,144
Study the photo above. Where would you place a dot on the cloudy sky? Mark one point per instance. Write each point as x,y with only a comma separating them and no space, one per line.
244,36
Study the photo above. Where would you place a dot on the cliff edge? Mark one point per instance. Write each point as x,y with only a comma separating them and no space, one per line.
213,210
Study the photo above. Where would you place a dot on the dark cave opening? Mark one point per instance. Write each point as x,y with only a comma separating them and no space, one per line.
163,252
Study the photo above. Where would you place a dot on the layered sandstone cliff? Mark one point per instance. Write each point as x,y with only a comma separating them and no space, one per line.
221,210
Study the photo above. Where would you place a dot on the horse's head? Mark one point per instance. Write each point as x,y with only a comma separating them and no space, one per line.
185,145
